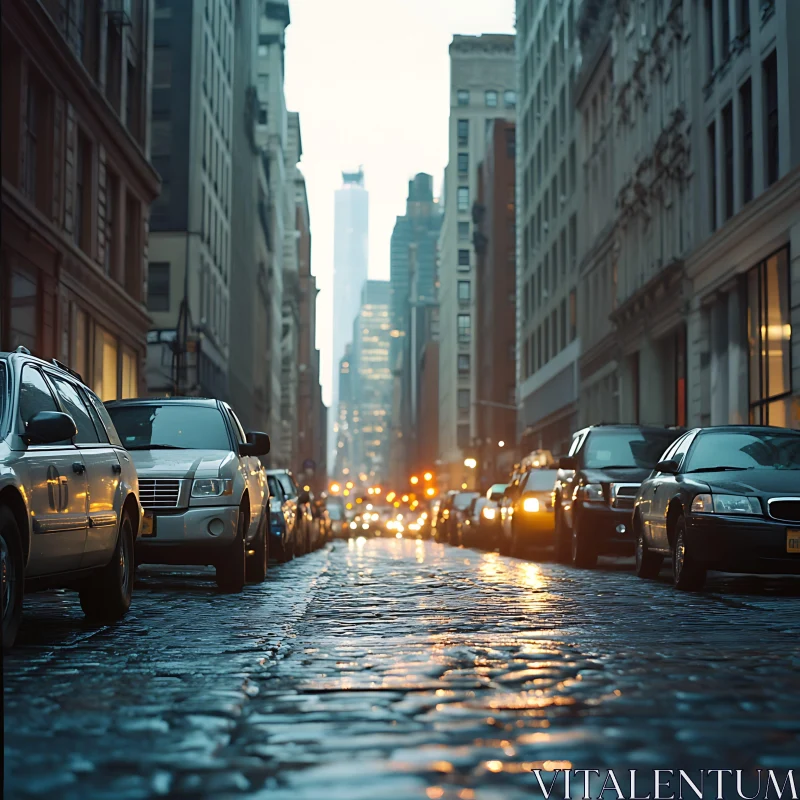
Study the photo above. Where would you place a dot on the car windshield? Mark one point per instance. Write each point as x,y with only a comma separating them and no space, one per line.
718,450
627,449
541,480
168,426
462,500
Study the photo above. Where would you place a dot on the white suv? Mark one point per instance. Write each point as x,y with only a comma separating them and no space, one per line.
202,485
69,508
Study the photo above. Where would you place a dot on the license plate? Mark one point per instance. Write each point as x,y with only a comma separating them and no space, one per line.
793,540
148,525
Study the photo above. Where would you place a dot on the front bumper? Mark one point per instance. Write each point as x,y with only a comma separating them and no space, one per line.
599,523
186,537
535,527
736,544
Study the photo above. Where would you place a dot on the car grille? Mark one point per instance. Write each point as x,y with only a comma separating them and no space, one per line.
624,495
159,492
785,509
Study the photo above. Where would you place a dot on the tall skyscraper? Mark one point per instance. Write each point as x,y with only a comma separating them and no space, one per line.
350,241
482,88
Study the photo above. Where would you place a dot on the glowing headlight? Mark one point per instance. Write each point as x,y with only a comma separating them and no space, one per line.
353,526
212,487
365,526
725,504
413,526
530,504
489,513
593,492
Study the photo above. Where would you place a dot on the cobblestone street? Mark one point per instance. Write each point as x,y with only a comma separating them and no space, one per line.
399,669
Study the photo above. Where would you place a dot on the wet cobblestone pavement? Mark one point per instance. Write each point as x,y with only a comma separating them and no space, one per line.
399,669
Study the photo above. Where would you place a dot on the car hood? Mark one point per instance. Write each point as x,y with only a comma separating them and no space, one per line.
635,475
770,482
184,463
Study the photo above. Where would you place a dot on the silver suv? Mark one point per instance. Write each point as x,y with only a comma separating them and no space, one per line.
202,485
69,509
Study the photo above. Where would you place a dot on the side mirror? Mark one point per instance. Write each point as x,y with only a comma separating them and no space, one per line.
669,467
258,444
568,463
303,498
48,427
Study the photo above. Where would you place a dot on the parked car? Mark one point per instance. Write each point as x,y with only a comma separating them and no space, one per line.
294,535
321,524
282,526
530,520
596,487
202,485
469,529
69,493
455,511
339,524
491,520
723,498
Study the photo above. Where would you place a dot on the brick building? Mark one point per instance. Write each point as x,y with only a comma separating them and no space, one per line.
77,186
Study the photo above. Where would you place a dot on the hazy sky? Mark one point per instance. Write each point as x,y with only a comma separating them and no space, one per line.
370,79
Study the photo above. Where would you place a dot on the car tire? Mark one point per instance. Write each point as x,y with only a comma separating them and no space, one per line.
584,554
106,597
256,566
562,545
231,570
648,563
12,580
687,574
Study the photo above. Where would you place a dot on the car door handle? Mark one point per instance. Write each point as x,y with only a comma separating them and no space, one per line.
116,468
79,468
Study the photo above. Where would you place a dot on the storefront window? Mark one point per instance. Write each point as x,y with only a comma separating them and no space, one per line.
129,374
105,365
80,342
769,339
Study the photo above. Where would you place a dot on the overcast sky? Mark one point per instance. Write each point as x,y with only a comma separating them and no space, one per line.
370,79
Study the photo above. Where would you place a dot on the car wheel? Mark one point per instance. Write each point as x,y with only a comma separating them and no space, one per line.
687,574
231,570
648,563
12,576
256,567
562,540
584,554
106,597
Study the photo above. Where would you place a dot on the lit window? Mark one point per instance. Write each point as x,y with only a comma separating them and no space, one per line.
463,198
491,99
510,98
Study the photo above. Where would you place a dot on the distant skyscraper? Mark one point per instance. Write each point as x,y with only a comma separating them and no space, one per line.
350,239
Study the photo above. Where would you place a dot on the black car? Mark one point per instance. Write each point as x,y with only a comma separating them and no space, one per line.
596,486
724,498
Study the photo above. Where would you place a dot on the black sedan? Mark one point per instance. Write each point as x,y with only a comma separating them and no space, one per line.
724,498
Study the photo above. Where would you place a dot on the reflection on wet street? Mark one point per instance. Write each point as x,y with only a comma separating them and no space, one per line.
394,669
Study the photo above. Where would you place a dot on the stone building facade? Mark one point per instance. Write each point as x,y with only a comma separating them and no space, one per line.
77,187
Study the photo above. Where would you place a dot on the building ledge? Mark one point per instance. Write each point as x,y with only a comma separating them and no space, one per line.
663,283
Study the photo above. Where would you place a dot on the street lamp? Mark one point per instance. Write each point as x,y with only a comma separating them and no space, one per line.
414,480
428,476
335,488
470,463
501,443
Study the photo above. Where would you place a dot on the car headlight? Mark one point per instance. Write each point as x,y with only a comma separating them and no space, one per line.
593,492
353,526
530,504
212,487
726,504
489,513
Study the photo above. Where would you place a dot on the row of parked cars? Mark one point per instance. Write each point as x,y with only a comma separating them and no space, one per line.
89,490
721,498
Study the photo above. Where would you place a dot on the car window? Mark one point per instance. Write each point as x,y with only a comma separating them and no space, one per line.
74,406
34,395
541,480
576,443
462,500
626,449
274,487
238,431
681,447
101,414
745,450
289,488
183,426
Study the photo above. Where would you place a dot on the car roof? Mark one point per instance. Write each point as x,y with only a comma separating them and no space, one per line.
746,428
25,355
279,472
160,401
629,426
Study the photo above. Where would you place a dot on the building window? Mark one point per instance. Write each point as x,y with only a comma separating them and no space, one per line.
105,365
463,399
130,381
712,178
80,343
746,107
463,260
563,321
727,143
464,292
158,289
491,99
262,115
769,339
114,65
462,97
462,436
725,11
463,163
32,129
573,316
462,198
709,18
162,67
112,187
263,51
463,363
463,132
463,231
771,117
22,309
510,98
744,18
680,377
464,329
81,223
